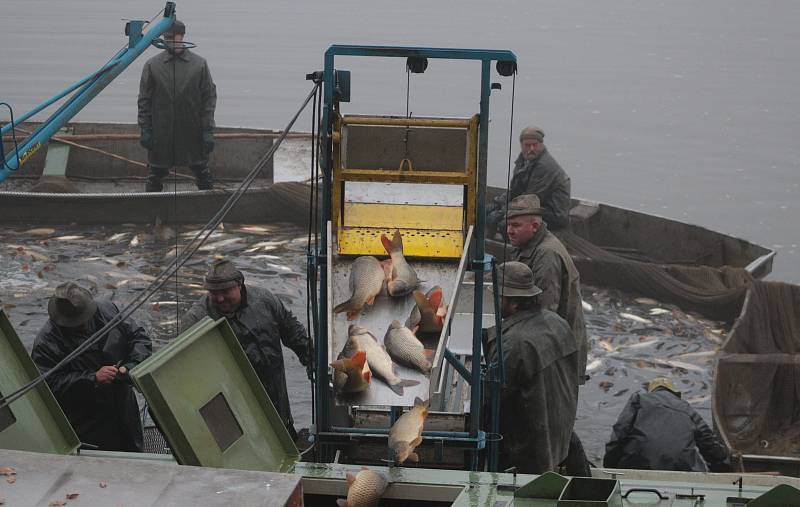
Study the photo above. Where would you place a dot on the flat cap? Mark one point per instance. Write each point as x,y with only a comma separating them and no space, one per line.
532,133
526,204
222,275
516,280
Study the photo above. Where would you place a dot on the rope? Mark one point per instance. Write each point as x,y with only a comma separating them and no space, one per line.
199,239
508,170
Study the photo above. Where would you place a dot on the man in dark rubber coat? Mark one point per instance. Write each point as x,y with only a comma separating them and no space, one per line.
93,389
535,172
177,99
658,430
261,323
540,397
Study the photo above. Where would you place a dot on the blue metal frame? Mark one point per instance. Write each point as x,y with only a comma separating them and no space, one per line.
483,263
87,89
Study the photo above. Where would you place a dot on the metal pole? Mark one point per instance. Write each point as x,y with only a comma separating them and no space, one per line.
323,417
85,95
479,263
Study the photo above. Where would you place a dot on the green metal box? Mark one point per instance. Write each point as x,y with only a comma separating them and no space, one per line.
210,404
34,422
588,492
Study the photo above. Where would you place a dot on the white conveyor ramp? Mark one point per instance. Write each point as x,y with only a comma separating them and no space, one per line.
444,273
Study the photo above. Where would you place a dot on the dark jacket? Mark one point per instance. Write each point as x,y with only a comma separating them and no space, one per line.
545,178
261,324
103,415
556,274
539,400
660,431
177,99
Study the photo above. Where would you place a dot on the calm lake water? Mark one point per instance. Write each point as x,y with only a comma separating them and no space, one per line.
684,109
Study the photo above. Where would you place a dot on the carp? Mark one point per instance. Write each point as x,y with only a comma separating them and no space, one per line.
366,281
379,361
352,374
364,489
406,433
428,314
405,348
402,279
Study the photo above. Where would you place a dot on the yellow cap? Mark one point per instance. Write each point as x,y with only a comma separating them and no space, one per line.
662,382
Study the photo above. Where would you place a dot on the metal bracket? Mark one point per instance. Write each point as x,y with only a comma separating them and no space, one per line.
482,265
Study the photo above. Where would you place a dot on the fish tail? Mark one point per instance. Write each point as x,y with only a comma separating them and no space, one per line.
342,502
397,241
349,307
388,244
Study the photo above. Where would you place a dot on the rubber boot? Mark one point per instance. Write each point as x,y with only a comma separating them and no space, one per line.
203,177
154,179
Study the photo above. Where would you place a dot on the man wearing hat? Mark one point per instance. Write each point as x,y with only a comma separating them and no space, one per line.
539,399
177,99
535,172
658,430
552,266
261,323
93,389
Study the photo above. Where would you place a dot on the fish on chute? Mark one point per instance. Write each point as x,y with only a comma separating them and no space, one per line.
366,281
402,279
364,489
352,374
378,359
405,348
427,315
406,434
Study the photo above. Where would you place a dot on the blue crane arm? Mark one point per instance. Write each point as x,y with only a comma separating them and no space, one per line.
85,90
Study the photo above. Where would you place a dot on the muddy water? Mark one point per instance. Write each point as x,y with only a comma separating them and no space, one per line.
632,341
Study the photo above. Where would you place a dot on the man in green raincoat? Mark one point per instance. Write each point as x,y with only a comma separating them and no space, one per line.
539,399
177,99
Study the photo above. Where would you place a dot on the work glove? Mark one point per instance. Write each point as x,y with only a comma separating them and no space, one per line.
208,141
146,139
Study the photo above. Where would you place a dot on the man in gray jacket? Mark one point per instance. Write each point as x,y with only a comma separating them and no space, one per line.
540,397
261,323
535,172
177,99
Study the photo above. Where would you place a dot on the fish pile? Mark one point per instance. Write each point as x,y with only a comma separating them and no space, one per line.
368,277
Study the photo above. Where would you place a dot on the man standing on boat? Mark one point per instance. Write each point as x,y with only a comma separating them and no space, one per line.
261,323
556,274
535,172
658,430
93,389
539,399
177,99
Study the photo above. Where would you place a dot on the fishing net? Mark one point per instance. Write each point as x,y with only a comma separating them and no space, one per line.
757,385
716,292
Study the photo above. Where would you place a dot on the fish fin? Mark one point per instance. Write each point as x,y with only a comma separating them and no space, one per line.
397,241
397,388
413,457
436,298
352,315
338,365
343,307
367,375
387,243
415,329
420,299
350,479
419,403
342,503
371,301
416,441
358,359
427,367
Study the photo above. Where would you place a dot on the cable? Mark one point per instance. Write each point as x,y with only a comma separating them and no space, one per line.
508,171
180,259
